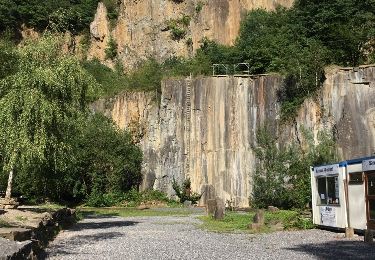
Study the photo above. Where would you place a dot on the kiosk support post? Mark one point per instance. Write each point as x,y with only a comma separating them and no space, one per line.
349,231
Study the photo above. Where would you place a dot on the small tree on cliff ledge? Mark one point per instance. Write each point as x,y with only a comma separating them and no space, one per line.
39,105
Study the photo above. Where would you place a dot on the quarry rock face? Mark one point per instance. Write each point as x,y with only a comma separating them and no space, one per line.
142,29
204,128
100,33
346,107
207,137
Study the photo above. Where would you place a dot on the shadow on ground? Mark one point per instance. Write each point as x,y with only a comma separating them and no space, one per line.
338,250
63,249
101,224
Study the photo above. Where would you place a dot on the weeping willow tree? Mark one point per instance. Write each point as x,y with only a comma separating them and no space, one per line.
39,107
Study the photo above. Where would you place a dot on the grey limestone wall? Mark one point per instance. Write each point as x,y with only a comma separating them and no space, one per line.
204,128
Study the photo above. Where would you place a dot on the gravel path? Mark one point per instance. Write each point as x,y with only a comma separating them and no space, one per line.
101,237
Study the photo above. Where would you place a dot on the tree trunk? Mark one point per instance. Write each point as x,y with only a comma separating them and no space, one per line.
8,193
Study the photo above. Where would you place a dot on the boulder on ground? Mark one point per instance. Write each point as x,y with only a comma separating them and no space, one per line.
211,207
220,209
187,203
258,221
8,203
208,193
259,217
369,236
273,209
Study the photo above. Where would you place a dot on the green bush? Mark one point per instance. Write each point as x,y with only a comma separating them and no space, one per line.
63,15
112,9
282,178
132,198
184,192
199,7
178,27
111,82
111,50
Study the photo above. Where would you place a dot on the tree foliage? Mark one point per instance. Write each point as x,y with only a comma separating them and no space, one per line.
38,105
72,15
184,193
47,135
106,160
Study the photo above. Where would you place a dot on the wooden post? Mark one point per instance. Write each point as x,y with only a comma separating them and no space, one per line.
369,236
349,231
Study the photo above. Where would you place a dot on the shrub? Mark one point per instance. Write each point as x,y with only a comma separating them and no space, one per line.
178,27
282,178
111,50
111,82
199,7
184,192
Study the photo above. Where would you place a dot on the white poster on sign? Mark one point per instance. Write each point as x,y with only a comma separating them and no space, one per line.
368,165
327,170
328,216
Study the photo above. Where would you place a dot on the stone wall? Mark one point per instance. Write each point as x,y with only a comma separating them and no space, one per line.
214,146
345,106
208,135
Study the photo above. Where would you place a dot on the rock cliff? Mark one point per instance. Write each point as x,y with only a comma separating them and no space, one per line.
204,128
143,28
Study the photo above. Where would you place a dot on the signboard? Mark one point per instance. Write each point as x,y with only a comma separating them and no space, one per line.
368,165
327,170
328,216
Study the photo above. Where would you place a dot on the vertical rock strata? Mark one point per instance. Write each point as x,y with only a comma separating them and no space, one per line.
346,107
225,114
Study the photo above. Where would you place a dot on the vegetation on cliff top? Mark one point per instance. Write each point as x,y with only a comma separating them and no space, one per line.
63,15
297,43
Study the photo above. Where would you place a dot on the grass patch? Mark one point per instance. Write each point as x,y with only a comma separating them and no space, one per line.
238,221
133,212
21,218
51,206
4,224
232,222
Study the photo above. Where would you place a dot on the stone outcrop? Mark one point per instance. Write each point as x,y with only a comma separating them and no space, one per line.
141,30
345,106
29,231
100,34
205,128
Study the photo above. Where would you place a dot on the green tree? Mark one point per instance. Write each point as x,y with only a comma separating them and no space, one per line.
282,177
106,160
39,105
344,26
72,15
9,58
